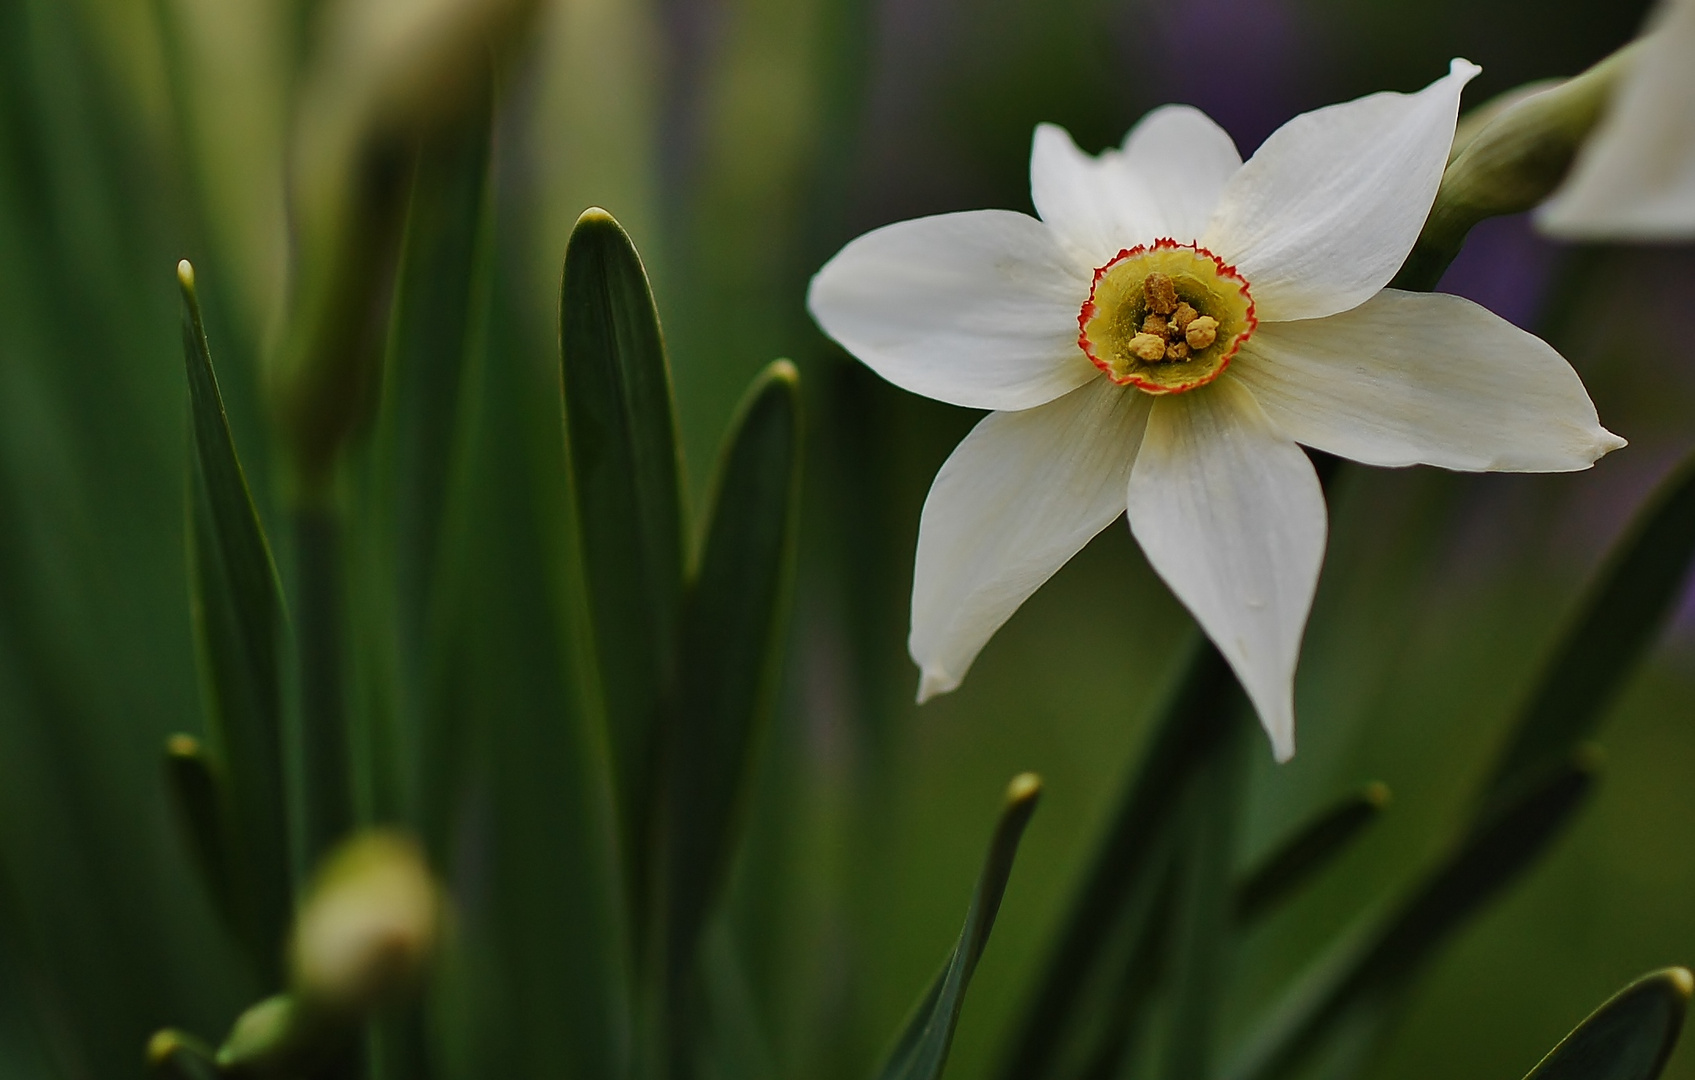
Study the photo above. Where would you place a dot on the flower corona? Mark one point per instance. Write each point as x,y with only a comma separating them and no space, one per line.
1165,317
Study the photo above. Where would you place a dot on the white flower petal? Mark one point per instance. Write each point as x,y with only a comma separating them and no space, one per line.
1184,160
1096,205
1021,495
1424,378
1324,213
1635,175
977,309
1230,514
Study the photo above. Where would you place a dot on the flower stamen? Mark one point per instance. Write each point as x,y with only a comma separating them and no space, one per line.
1165,317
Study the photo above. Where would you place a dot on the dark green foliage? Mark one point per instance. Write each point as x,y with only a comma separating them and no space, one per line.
1628,1038
1374,965
1628,603
1192,723
922,1049
238,616
198,788
1308,851
732,629
624,477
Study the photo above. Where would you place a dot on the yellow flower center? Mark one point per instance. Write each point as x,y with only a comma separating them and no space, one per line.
1165,317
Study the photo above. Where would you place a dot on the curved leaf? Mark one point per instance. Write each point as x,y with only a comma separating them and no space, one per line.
1628,1038
1374,965
732,632
1308,851
922,1049
1628,603
622,444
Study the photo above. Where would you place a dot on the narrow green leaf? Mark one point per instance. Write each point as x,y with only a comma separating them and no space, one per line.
1194,717
622,444
1202,909
238,616
197,790
1312,848
1612,633
732,633
1628,1038
1380,958
922,1049
437,344
1114,1011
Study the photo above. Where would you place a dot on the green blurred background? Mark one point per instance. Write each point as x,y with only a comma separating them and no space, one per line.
742,142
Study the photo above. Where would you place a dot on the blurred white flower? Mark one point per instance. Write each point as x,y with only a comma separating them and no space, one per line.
1634,178
1161,339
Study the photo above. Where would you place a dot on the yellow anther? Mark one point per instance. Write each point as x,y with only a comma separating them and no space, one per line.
1201,331
1148,347
1161,293
1183,316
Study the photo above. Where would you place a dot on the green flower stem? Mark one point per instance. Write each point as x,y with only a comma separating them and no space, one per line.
323,785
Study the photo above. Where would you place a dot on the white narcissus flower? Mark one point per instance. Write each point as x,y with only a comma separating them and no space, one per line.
1634,178
1162,338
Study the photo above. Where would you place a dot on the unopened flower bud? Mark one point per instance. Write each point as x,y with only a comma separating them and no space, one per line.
1508,158
368,926
276,1036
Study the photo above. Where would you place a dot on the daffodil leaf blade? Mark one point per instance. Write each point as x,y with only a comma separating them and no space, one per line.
197,790
1372,965
921,1050
236,602
432,395
732,636
1630,1037
1194,716
625,479
1626,606
1202,909
1308,851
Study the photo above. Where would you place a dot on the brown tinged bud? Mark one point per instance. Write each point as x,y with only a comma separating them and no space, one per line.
368,927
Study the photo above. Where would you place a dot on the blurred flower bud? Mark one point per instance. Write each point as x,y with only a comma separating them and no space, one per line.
384,75
275,1036
1509,154
1635,176
367,927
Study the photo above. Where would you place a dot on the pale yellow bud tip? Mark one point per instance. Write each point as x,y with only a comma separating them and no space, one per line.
1024,787
161,1046
185,273
1682,980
